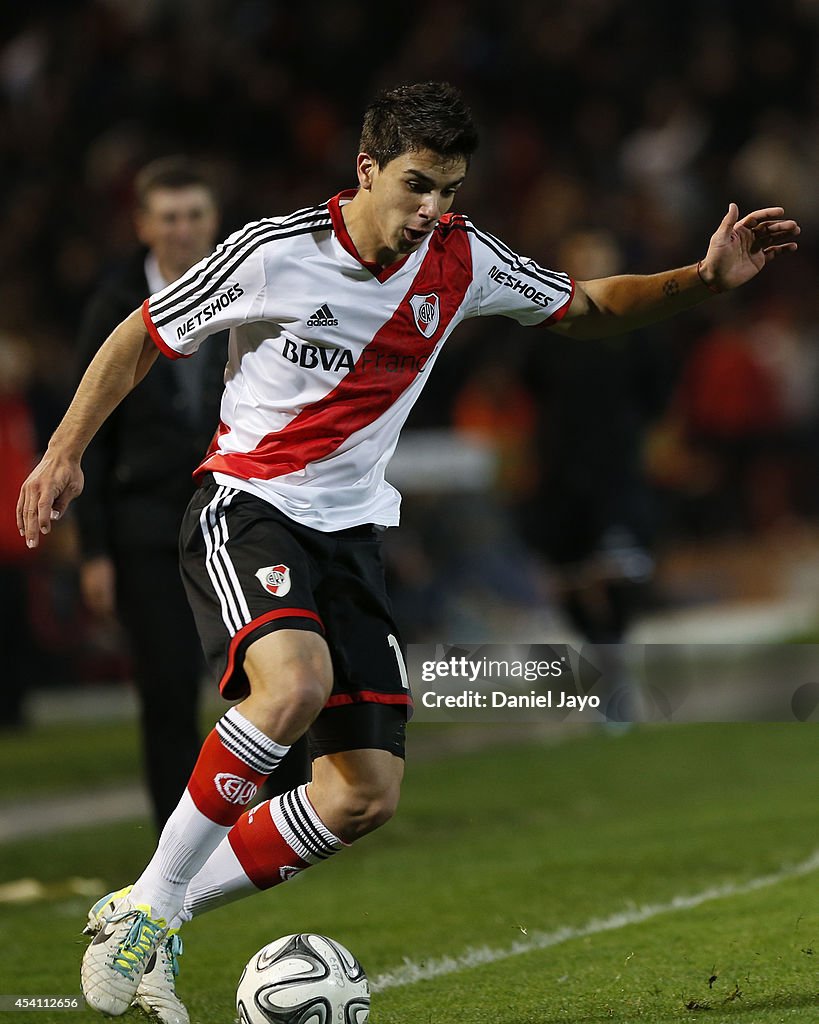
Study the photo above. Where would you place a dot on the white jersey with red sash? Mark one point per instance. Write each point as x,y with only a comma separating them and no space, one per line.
328,354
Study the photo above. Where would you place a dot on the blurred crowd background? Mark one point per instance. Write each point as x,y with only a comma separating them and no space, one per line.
614,134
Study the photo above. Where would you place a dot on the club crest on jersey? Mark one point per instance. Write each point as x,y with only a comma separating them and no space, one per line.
275,579
427,312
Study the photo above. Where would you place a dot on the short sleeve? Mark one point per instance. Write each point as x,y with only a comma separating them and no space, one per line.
221,291
507,284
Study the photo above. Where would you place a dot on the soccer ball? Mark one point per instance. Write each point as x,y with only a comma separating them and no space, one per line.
303,979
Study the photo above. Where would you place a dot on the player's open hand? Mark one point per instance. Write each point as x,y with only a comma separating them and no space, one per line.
46,494
739,249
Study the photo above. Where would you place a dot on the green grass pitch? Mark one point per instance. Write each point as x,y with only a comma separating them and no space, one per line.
554,848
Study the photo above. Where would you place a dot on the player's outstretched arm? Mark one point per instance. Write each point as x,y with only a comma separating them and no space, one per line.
121,363
737,251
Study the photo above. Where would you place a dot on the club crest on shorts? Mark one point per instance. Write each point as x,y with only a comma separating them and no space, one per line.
275,579
427,312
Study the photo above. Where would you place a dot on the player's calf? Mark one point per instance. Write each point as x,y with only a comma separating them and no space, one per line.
357,791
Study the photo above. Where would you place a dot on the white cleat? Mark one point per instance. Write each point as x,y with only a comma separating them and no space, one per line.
156,994
103,909
114,963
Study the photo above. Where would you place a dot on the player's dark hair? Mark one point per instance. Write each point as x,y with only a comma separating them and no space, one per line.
427,115
171,172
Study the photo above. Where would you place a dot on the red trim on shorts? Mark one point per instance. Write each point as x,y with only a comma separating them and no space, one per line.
156,337
368,697
237,638
556,317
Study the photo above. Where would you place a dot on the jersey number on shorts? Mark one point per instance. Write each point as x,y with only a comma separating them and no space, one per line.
399,657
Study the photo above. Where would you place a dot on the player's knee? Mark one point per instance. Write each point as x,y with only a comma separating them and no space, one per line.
306,699
290,681
289,709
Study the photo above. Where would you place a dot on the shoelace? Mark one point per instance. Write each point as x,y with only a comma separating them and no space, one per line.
174,949
138,943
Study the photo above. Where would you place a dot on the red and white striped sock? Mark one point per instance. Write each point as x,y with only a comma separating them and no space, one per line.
267,846
234,761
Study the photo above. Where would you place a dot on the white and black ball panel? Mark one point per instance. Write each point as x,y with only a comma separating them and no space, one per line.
357,1011
352,968
314,1011
303,979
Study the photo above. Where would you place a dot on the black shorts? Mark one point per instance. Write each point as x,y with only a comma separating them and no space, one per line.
250,570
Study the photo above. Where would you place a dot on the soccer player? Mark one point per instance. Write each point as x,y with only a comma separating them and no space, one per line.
337,314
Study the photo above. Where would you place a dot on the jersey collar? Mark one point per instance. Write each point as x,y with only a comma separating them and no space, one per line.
153,275
380,273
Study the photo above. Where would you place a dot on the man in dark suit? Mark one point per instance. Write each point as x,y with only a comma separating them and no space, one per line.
138,476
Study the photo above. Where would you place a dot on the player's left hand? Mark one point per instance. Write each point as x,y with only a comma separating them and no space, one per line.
739,249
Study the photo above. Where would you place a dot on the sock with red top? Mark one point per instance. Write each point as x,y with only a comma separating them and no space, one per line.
234,761
267,846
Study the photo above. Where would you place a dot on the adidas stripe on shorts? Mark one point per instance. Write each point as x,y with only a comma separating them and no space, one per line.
250,570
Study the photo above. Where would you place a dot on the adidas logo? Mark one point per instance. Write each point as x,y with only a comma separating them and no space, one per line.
323,317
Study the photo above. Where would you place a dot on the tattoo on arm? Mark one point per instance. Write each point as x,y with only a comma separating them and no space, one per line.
671,286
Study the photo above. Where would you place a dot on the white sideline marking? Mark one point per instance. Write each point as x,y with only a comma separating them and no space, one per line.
410,971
